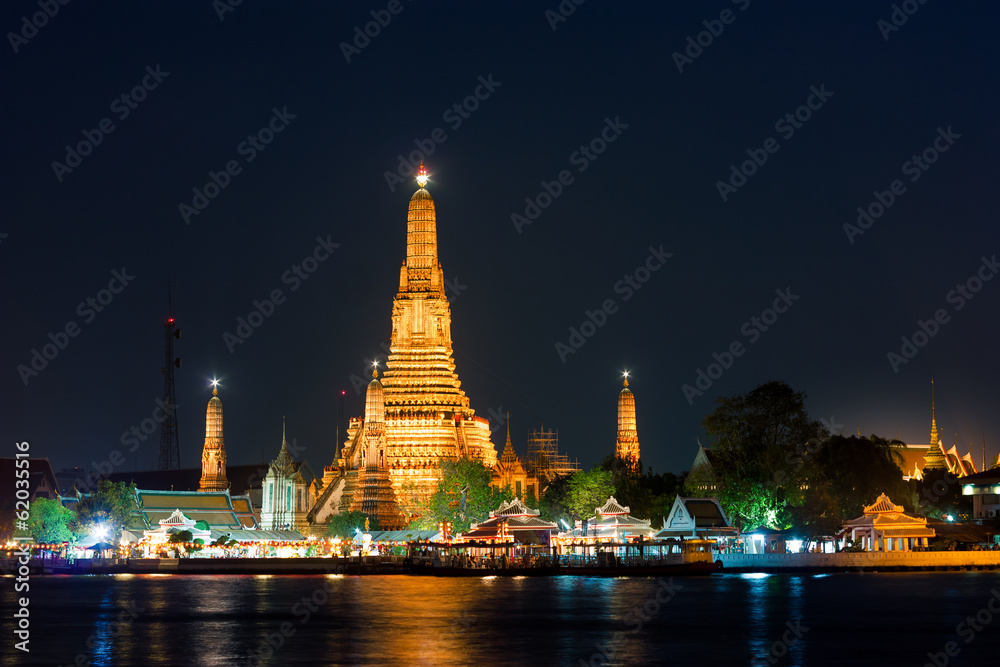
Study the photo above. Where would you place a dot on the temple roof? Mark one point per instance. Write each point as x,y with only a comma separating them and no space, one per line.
883,504
513,508
611,507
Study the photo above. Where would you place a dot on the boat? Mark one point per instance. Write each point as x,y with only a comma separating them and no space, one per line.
669,557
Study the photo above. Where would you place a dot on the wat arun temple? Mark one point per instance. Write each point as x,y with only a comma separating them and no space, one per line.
417,416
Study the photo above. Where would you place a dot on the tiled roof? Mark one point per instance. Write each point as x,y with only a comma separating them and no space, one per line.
611,507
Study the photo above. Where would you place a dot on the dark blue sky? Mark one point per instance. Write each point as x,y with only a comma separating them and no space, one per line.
881,101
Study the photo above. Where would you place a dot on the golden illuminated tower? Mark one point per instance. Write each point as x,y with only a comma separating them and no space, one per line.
427,415
213,455
935,454
627,447
372,493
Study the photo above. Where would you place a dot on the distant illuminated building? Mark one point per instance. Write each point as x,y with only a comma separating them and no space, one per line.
627,446
509,472
919,458
213,454
427,418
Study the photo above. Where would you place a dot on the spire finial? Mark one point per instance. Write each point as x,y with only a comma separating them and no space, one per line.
375,369
508,428
625,375
282,430
215,387
422,175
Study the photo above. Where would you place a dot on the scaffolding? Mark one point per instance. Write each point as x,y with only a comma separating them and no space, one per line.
544,460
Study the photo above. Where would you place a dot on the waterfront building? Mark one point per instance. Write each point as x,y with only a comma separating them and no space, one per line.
610,523
213,453
886,527
513,521
984,487
627,444
290,488
698,518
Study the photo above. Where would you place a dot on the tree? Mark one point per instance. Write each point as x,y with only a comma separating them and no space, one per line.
111,507
347,524
554,503
853,471
464,496
762,445
49,522
589,490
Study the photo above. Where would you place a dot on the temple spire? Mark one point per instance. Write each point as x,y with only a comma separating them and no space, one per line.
213,454
935,436
935,453
421,272
627,445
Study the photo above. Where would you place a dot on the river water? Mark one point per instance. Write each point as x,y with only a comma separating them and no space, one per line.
840,619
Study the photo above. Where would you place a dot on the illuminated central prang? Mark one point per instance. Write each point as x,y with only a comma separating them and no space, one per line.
427,415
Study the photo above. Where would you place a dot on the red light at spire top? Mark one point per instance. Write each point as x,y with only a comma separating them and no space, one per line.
422,175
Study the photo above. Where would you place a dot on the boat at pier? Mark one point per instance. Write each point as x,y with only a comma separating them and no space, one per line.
670,557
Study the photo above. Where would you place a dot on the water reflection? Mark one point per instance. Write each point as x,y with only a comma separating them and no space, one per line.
725,620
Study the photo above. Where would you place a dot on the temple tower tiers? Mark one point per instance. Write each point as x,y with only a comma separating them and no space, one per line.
427,415
628,440
934,459
372,493
213,454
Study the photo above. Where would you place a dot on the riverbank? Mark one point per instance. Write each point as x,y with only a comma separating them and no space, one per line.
930,561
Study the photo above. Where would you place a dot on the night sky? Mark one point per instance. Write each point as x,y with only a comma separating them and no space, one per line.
880,96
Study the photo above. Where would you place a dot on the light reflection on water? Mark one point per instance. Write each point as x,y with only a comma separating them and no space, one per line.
726,619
